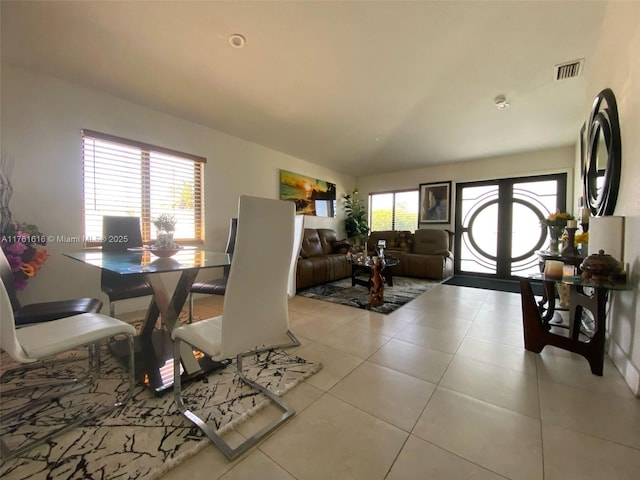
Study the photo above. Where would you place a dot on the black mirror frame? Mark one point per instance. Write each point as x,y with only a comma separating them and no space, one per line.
603,121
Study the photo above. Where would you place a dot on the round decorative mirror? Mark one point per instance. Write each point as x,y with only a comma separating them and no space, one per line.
601,175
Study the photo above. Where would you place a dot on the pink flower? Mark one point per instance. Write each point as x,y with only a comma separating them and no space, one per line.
20,282
17,248
15,262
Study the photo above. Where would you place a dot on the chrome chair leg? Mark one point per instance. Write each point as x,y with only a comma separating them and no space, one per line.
7,453
230,452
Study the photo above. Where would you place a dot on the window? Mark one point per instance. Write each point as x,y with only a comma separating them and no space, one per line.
125,177
394,210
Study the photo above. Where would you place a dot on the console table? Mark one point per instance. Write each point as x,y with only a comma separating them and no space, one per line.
584,295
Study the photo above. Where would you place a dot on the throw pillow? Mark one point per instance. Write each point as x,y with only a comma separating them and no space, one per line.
341,246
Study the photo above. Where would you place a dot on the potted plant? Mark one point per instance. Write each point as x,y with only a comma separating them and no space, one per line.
165,225
355,224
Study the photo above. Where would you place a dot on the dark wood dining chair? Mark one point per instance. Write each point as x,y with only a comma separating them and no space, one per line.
216,286
43,311
119,234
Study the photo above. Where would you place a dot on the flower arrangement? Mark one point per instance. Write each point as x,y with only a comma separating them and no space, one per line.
23,245
558,219
581,238
165,223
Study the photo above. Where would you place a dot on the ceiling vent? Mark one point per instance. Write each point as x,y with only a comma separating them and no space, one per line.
569,70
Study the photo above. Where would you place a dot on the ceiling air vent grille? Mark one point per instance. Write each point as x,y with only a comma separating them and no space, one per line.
569,70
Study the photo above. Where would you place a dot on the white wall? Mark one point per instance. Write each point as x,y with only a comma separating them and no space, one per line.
616,65
41,122
558,160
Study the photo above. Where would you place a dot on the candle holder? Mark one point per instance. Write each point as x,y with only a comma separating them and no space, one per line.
570,249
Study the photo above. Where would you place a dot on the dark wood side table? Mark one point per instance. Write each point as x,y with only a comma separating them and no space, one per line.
584,295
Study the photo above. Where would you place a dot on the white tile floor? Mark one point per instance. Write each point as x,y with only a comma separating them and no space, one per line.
440,389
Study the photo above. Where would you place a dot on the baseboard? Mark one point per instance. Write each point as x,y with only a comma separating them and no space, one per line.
628,371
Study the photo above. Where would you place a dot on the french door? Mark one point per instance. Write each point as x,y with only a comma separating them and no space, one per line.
498,224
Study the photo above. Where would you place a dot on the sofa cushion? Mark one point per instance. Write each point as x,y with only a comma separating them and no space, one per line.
311,245
389,236
327,238
430,242
435,267
404,240
341,246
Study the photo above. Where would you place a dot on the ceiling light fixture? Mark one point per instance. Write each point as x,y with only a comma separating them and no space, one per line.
237,41
501,102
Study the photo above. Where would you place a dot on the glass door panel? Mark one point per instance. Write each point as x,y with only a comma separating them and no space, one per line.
479,213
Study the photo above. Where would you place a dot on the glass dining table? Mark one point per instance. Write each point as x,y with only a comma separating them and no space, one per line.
154,348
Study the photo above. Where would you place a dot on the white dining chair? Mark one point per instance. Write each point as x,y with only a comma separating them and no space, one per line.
255,311
40,342
297,244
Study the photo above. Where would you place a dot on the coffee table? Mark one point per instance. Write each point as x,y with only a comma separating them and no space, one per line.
364,267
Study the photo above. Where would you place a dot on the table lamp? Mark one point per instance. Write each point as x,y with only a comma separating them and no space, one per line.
607,233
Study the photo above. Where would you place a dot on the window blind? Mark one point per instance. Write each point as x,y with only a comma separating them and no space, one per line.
129,178
394,210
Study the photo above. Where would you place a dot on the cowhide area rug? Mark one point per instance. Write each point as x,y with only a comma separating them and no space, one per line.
146,437
403,291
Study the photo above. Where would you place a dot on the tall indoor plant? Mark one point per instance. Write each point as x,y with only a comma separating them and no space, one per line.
355,223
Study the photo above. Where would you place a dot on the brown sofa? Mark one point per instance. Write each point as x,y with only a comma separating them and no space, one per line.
323,258
423,254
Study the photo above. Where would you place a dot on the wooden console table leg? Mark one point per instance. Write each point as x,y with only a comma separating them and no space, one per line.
547,305
593,350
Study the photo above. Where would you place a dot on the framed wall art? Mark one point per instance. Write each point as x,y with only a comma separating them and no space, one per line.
311,196
435,203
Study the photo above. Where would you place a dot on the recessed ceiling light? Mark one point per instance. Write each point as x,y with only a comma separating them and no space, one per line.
237,41
501,102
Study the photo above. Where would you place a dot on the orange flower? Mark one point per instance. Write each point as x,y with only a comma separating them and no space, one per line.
39,257
28,270
582,238
558,219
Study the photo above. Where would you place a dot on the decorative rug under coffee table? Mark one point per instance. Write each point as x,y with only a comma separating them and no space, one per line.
403,291
146,437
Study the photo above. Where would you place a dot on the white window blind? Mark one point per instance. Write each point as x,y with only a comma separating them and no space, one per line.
130,178
394,210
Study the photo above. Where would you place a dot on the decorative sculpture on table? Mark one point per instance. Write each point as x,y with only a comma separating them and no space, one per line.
376,290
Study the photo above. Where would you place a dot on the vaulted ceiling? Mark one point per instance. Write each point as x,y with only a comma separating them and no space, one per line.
360,87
